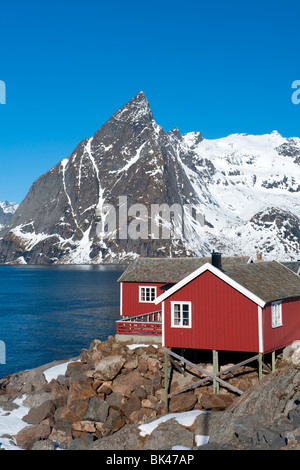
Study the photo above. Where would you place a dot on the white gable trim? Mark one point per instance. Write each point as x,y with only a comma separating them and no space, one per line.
260,330
220,275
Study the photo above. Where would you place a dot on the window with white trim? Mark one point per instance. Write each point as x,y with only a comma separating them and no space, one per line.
181,314
147,293
276,308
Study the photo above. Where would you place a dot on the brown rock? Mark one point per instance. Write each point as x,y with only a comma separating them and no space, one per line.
160,394
108,367
150,402
80,390
142,365
174,387
182,402
84,356
105,387
30,434
151,349
140,392
153,364
132,364
84,426
95,345
156,381
59,395
75,412
125,384
61,433
38,414
133,404
213,401
116,400
142,415
114,422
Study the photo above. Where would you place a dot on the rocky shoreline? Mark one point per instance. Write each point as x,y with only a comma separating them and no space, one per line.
112,397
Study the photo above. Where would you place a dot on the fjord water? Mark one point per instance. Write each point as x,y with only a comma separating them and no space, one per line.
50,313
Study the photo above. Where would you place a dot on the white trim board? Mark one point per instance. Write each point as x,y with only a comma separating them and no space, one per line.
209,267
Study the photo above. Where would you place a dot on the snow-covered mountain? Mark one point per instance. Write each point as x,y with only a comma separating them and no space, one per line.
7,209
244,187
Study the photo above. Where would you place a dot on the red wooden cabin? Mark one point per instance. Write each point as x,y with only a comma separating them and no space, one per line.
253,307
145,280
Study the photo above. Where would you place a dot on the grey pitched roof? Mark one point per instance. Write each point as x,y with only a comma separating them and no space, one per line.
170,270
292,265
268,280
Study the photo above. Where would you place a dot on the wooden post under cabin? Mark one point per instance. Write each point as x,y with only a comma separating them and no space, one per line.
260,366
216,385
166,383
273,361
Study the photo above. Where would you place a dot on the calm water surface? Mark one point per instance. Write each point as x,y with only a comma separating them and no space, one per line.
50,313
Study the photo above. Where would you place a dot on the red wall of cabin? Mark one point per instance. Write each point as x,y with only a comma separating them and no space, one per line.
222,318
130,305
276,338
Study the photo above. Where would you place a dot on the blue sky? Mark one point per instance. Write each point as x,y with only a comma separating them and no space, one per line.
218,67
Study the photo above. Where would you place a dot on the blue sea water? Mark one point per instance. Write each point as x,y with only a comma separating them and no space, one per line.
50,313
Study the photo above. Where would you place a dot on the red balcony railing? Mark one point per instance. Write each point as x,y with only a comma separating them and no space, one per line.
145,324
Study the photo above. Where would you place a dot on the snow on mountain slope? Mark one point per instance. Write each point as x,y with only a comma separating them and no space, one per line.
6,211
238,194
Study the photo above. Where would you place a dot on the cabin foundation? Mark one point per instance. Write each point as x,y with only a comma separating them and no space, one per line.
179,362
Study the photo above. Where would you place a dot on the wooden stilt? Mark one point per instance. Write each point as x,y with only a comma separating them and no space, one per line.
216,386
205,372
260,366
273,361
182,364
166,383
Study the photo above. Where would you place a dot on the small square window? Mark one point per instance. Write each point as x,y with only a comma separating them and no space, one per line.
181,314
147,294
276,308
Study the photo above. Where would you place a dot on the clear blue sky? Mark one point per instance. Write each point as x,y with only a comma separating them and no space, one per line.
219,67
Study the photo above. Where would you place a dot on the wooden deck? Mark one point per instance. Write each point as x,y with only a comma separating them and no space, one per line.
146,324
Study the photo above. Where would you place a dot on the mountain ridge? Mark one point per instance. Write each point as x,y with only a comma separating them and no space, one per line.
244,186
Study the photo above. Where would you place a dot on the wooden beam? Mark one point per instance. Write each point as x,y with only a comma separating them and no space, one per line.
206,379
166,383
205,372
273,361
216,385
260,366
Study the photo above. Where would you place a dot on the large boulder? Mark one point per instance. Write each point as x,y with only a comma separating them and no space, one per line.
41,412
127,438
182,402
97,410
30,434
167,435
107,368
269,402
80,389
125,384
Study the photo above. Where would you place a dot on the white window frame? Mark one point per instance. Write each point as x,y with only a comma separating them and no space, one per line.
147,301
181,325
276,310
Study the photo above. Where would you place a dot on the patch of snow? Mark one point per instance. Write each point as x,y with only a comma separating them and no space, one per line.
55,371
186,418
11,423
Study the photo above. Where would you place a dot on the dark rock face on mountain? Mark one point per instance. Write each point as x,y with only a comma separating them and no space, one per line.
213,192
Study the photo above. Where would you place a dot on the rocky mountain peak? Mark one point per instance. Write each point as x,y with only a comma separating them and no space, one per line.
135,111
232,183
